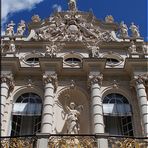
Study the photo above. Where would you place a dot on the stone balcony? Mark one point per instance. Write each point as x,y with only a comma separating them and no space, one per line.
72,141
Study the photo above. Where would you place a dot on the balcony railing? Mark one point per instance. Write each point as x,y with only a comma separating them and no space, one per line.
74,141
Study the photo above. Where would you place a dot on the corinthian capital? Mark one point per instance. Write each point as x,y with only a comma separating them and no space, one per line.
50,78
95,78
141,79
8,79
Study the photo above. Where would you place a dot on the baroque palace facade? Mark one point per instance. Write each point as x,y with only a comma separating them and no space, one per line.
74,81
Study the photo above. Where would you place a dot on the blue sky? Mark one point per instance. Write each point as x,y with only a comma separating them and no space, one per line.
122,10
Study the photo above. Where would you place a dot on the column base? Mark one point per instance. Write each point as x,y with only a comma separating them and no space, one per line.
42,143
102,143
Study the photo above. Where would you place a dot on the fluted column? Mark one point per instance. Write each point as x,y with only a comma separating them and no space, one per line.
47,114
143,101
97,107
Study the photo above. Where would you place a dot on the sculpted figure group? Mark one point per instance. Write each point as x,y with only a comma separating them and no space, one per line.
20,29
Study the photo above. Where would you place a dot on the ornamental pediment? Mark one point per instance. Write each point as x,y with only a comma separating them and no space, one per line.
69,26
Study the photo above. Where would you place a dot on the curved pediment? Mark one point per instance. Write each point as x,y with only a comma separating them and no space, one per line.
71,26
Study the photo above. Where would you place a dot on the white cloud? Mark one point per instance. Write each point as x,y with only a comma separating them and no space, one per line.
57,7
11,6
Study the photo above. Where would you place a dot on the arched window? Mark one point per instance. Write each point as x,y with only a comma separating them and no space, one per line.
26,115
117,115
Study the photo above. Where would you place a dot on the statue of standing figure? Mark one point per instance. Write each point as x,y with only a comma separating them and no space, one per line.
72,5
10,29
21,28
73,122
123,30
134,30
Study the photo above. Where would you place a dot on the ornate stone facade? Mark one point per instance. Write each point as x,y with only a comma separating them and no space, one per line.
62,56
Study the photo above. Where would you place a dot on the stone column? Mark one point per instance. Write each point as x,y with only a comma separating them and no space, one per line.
7,86
97,108
47,114
143,102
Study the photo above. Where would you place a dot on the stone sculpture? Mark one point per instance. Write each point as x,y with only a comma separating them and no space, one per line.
72,5
132,48
51,50
109,19
123,30
21,28
134,30
73,123
10,29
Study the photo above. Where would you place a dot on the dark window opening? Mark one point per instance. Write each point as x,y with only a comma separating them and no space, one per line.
112,61
72,60
32,60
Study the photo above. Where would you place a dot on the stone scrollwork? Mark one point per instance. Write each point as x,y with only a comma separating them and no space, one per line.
95,78
70,27
8,79
50,78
